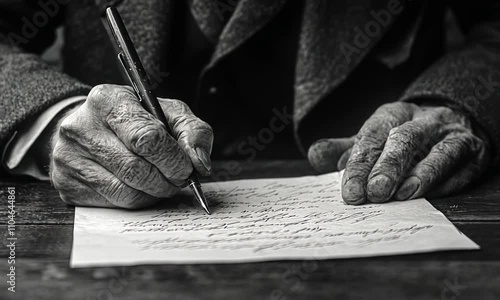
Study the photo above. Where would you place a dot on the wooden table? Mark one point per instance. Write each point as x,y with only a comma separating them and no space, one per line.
44,227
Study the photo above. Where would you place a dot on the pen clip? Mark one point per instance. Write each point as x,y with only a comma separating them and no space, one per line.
127,69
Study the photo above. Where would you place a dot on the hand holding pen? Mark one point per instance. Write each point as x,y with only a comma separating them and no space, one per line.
132,66
113,151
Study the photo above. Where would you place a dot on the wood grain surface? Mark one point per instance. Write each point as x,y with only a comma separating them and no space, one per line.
44,226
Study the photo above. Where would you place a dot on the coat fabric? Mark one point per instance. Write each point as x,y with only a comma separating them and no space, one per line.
382,49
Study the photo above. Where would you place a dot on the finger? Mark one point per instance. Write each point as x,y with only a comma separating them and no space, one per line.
344,158
69,165
107,150
110,187
406,145
459,181
368,146
324,155
194,135
75,193
443,159
140,131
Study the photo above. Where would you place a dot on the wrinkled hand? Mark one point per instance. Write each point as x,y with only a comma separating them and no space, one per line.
405,151
110,152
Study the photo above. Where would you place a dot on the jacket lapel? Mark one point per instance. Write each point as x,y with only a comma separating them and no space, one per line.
330,44
330,47
249,17
211,16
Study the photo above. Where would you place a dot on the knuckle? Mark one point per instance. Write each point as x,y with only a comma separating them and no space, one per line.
362,161
68,127
395,132
180,106
100,98
149,139
179,166
444,112
137,171
75,128
394,108
405,136
387,106
428,171
396,112
174,106
413,131
474,143
203,130
361,155
205,126
373,132
482,153
370,141
392,164
391,159
448,149
100,92
124,94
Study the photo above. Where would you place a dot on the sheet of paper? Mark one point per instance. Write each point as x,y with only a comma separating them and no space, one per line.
258,220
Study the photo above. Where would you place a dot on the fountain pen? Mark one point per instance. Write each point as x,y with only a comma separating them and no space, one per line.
129,59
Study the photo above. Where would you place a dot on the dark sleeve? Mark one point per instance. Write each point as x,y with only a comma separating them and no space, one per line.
469,78
27,84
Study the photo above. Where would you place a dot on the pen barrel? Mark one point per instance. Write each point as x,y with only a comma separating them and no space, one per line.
142,86
152,105
133,67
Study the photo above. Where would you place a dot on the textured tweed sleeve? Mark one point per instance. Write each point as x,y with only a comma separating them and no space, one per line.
469,79
28,86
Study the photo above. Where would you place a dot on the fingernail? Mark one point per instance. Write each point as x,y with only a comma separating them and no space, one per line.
353,191
379,188
409,188
204,158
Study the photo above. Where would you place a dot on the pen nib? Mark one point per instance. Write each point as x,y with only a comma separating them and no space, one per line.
198,194
201,199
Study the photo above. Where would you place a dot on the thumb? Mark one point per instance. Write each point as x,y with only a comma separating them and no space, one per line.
324,154
194,135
